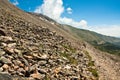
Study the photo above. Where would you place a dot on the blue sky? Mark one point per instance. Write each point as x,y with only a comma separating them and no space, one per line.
96,12
102,16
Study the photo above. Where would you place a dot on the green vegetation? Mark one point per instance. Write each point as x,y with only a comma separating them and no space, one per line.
71,59
108,47
47,77
68,54
91,64
69,48
94,72
87,54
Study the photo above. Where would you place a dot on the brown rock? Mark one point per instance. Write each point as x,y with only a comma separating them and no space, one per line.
21,65
57,70
28,57
16,67
26,68
21,70
9,50
36,76
5,66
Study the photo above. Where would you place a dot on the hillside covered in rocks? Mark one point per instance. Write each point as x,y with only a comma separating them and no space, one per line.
30,51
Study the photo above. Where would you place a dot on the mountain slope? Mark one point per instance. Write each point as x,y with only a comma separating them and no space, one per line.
104,43
34,49
107,65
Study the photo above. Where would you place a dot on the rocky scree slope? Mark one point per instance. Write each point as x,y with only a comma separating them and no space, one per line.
108,65
32,52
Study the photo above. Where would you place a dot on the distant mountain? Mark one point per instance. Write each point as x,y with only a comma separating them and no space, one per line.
102,42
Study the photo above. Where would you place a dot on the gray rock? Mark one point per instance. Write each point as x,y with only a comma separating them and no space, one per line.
3,44
18,51
74,78
5,77
5,60
50,61
6,38
42,71
42,62
1,64
33,68
19,73
43,57
16,62
2,52
1,69
2,32
21,70
11,45
9,50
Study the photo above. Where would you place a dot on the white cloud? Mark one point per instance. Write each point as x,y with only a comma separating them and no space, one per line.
54,9
15,2
109,30
51,8
80,24
69,10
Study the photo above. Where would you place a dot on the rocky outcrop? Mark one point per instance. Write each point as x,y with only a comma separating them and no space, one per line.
32,52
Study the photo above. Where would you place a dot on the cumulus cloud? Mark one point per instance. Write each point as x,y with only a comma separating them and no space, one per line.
69,10
15,2
54,9
80,24
109,30
51,8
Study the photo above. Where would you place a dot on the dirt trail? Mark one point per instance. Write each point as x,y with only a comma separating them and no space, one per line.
108,65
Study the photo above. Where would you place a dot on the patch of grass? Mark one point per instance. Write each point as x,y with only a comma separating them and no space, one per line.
71,59
73,50
91,64
67,54
47,77
94,72
87,54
